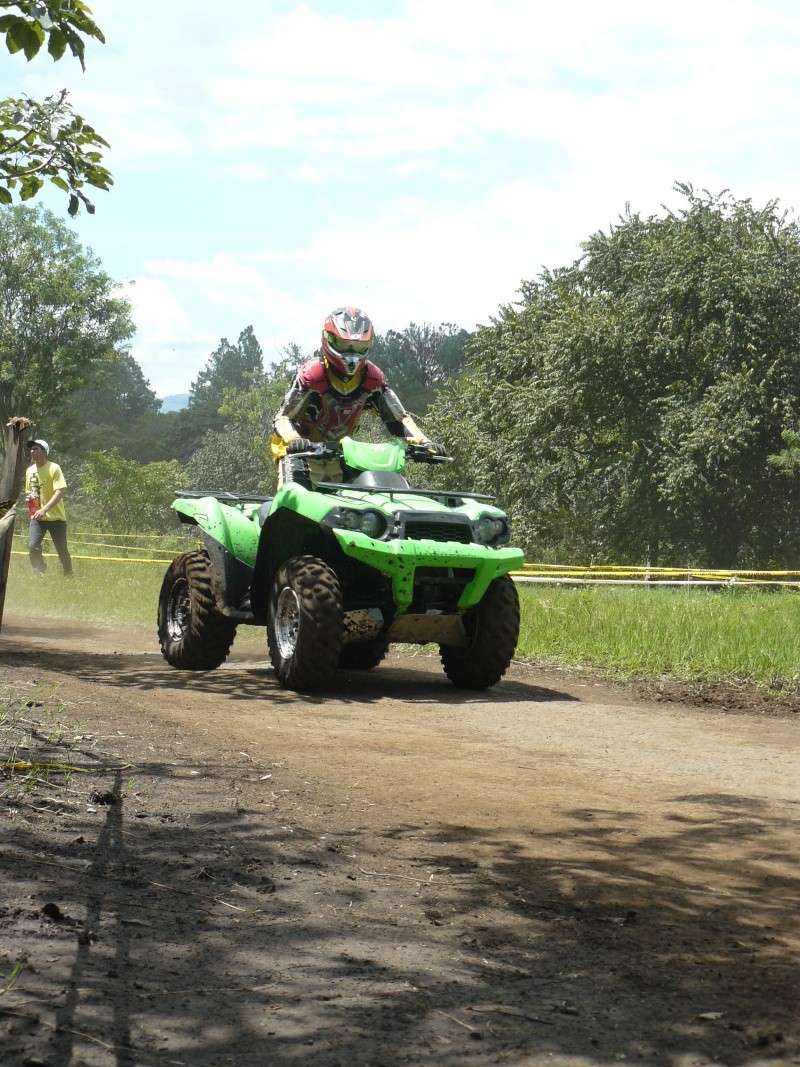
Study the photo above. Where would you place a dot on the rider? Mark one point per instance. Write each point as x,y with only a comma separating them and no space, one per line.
328,396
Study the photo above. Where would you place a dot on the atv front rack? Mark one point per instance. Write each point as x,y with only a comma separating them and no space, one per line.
435,494
220,494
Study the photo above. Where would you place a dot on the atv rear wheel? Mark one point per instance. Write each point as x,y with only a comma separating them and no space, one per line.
192,633
492,631
362,655
304,628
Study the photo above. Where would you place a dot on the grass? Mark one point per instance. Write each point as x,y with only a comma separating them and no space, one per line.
111,592
689,634
99,592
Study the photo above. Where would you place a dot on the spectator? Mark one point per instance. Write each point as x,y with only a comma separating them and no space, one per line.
44,492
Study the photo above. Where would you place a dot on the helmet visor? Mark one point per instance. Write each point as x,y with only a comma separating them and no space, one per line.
342,345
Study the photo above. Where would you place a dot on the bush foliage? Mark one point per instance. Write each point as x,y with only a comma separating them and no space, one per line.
628,405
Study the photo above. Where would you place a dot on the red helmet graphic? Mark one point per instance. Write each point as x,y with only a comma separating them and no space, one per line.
347,337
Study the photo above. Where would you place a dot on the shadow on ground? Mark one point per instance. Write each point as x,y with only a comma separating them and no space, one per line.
191,933
243,682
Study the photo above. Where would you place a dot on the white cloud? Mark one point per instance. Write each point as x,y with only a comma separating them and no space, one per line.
248,172
542,120
167,343
580,76
182,308
432,77
445,74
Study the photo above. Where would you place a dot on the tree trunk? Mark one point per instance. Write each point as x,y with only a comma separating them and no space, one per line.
10,484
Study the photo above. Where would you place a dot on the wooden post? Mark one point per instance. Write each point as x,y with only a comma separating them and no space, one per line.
10,485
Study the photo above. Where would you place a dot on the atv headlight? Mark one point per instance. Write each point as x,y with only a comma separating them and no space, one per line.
371,523
349,520
490,530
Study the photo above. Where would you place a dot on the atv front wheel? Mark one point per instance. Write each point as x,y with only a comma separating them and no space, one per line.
362,655
492,632
304,629
192,633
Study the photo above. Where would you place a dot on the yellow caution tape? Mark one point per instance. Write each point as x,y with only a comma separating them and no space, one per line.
105,544
103,559
619,571
110,533
682,580
129,548
608,572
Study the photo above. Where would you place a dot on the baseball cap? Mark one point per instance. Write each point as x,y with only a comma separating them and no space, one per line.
41,443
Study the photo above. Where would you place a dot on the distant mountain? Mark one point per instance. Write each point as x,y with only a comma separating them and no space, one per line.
175,402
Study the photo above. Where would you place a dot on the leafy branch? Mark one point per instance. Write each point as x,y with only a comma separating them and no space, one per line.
48,140
63,22
41,140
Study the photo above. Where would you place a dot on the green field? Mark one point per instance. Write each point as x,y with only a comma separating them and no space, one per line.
114,591
689,634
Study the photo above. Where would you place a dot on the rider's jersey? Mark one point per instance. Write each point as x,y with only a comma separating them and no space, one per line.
314,409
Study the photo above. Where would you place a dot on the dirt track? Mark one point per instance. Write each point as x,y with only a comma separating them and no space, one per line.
553,872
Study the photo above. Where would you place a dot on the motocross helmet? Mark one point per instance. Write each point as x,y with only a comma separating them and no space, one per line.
347,337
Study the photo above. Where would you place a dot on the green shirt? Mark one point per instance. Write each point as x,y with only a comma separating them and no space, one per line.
41,483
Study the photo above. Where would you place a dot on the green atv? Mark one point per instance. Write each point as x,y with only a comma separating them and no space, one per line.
337,572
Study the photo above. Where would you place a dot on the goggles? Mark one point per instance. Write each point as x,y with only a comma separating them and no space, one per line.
343,345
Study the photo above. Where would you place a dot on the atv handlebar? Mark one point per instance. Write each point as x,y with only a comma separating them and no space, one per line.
422,454
419,453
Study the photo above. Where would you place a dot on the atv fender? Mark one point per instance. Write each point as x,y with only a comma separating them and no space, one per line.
284,535
227,533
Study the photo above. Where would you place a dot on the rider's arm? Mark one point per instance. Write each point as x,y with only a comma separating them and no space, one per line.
395,417
284,429
293,403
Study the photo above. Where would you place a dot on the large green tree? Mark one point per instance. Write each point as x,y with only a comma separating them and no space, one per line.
228,367
117,405
45,139
420,359
236,457
119,392
61,323
627,406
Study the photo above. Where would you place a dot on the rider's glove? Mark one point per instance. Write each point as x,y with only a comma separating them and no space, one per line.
300,444
436,448
421,441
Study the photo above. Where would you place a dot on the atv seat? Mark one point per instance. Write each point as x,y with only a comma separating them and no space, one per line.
378,480
263,511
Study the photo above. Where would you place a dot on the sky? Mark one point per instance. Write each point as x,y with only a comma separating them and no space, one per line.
274,160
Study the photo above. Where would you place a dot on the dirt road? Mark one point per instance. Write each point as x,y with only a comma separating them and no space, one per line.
553,872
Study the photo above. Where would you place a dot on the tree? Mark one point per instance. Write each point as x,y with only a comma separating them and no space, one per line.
627,406
229,367
42,140
420,359
60,322
237,457
231,459
118,404
128,495
254,404
118,394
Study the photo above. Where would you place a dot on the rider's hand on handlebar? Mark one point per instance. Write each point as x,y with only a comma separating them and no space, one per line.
436,448
300,444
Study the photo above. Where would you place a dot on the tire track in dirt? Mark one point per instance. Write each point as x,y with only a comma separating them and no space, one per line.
551,872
